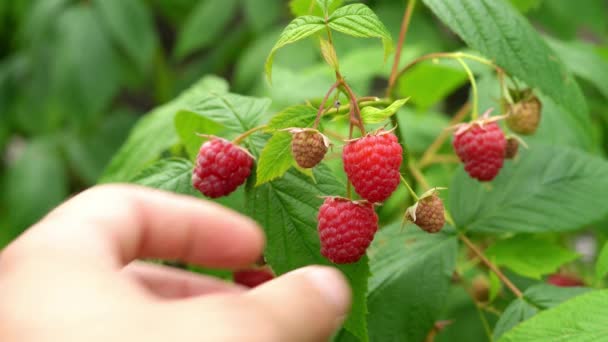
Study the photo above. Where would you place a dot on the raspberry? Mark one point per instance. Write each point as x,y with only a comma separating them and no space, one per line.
481,147
564,280
346,229
524,116
511,148
427,213
480,287
308,147
253,277
220,168
372,165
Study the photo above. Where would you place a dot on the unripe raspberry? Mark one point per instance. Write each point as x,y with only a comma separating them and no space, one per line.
480,287
221,167
524,116
253,277
308,147
346,229
372,165
481,147
427,213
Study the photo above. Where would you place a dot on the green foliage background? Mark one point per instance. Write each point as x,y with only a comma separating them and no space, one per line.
114,90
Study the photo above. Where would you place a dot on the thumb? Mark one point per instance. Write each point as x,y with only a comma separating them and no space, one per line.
308,304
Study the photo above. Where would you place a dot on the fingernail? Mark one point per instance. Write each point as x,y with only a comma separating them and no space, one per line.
332,285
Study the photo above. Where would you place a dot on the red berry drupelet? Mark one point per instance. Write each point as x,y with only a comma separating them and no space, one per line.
221,167
346,229
481,147
372,165
253,277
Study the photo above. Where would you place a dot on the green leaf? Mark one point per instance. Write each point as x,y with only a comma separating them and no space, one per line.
529,256
287,209
188,125
546,296
276,158
325,5
526,5
601,265
499,32
547,189
132,27
34,184
428,83
294,116
411,274
584,62
174,174
373,115
204,25
359,20
518,311
236,112
310,7
298,29
495,286
329,54
584,318
155,133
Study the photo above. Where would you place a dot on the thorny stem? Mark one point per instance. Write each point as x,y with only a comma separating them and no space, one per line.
429,154
405,23
322,106
490,265
409,188
245,134
475,112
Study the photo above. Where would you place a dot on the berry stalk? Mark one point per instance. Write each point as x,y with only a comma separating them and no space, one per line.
322,106
247,133
405,23
466,68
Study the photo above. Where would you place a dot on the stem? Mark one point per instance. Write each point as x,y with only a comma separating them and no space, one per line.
484,321
356,111
405,23
245,134
475,112
409,188
345,108
322,106
431,150
331,43
491,266
419,177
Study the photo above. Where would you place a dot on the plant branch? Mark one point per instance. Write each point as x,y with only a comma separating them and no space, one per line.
247,133
466,68
322,106
409,188
356,112
418,176
405,23
491,266
430,152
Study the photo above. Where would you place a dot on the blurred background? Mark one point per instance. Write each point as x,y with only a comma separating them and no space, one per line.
76,75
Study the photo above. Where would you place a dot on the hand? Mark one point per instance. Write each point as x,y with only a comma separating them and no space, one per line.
74,276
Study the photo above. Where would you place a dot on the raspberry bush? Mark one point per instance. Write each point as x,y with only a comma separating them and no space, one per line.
340,163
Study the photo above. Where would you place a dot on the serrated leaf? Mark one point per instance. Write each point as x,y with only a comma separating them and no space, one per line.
132,28
359,20
298,29
275,159
174,174
294,116
584,318
373,115
547,189
155,133
237,113
287,209
601,265
518,311
526,5
310,7
529,256
411,274
188,125
546,296
204,25
499,32
329,54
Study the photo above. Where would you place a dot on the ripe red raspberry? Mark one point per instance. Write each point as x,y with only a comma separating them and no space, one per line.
524,116
308,147
220,168
427,213
564,280
254,276
481,147
346,229
372,165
